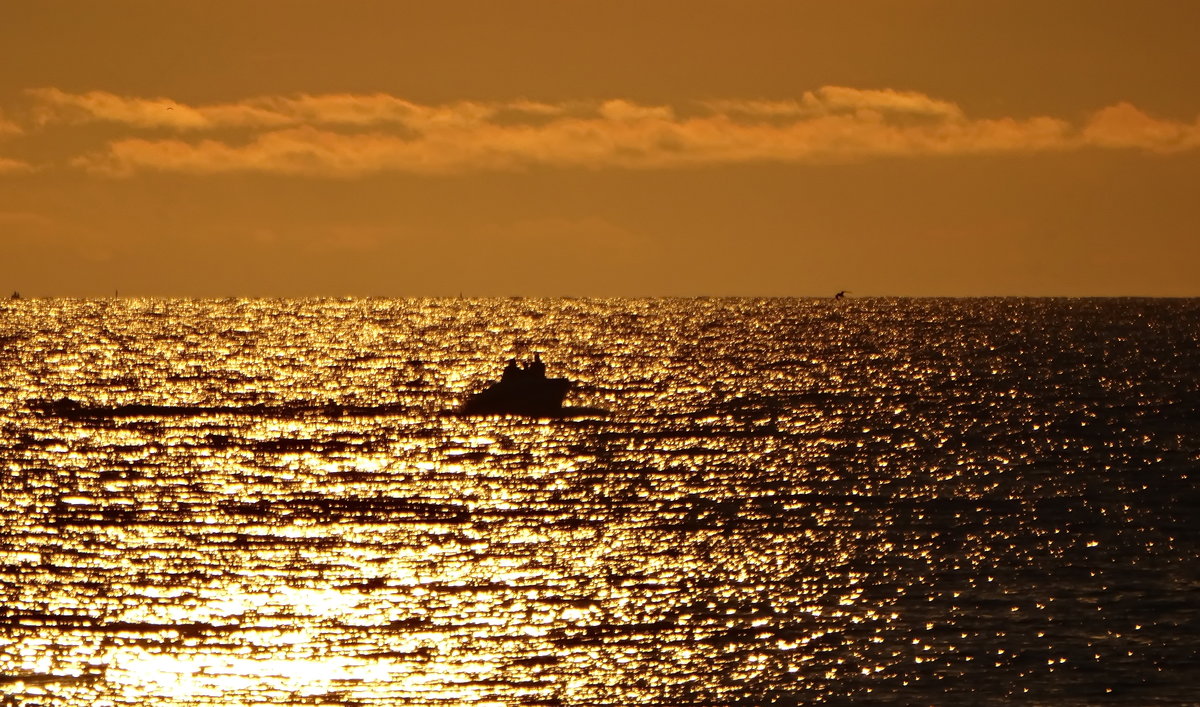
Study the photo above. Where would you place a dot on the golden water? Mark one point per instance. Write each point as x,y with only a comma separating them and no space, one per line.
786,501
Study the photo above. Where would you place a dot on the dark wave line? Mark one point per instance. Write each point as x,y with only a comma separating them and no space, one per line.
72,409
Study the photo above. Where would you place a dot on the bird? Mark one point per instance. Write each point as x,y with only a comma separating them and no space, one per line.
841,294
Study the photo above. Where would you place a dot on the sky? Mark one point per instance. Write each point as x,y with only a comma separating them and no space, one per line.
290,148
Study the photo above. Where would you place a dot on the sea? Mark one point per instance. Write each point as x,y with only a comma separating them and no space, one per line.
869,501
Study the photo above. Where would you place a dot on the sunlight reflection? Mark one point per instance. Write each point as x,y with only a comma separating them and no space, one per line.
790,503
186,677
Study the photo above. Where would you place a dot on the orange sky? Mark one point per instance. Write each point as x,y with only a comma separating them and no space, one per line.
499,147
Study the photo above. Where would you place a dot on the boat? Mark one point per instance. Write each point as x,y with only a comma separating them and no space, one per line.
521,390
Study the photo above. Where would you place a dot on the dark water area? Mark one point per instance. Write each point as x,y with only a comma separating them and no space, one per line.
765,501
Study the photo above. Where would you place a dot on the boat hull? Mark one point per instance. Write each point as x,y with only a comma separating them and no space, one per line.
535,398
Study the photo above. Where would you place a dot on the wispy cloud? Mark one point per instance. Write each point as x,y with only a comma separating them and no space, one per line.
831,100
7,127
53,106
11,166
349,135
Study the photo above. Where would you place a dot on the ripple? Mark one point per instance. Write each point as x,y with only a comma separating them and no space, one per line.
788,501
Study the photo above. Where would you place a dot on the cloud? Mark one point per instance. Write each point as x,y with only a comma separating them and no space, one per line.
11,166
624,137
53,106
351,135
7,127
835,100
1125,126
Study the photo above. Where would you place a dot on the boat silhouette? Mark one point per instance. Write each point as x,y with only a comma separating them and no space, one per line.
521,390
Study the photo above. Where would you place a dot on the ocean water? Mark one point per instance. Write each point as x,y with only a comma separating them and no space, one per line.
775,501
